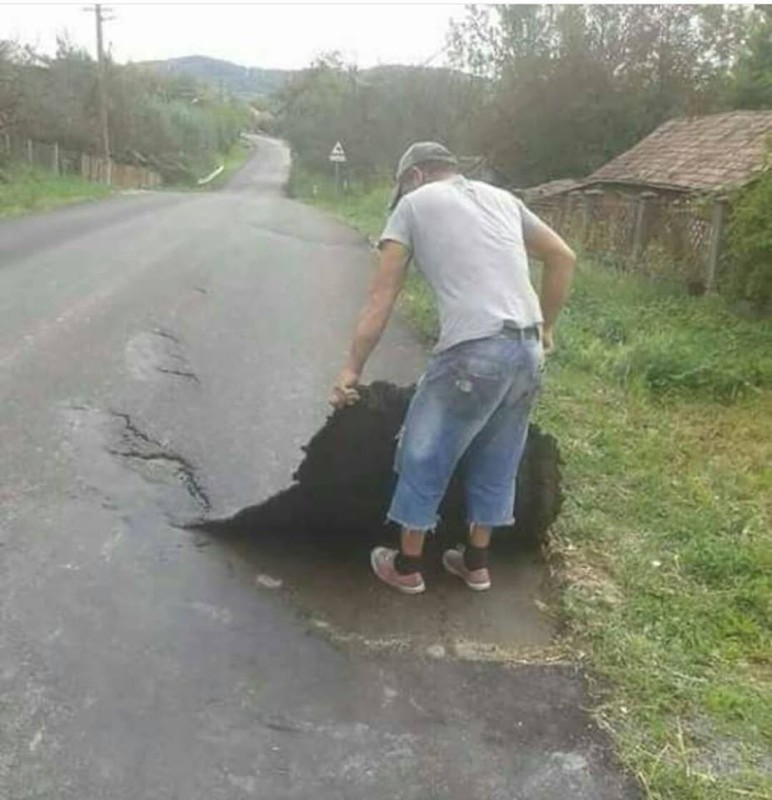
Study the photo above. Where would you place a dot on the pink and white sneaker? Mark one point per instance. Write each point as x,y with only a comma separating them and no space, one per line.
382,562
479,580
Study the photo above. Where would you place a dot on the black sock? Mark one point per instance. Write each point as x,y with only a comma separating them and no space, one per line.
475,557
407,565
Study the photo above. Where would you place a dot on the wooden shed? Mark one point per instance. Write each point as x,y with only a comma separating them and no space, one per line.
714,153
666,198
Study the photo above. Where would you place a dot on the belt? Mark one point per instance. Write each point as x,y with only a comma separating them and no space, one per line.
512,330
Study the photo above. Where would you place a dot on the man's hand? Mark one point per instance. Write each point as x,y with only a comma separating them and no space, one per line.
344,392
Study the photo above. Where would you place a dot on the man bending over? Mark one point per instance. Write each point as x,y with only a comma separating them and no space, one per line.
471,407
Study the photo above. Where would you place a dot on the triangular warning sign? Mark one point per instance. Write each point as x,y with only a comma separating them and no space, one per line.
338,154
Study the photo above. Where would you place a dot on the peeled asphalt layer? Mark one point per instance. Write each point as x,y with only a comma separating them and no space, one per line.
163,358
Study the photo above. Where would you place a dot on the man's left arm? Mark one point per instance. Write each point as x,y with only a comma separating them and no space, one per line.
384,290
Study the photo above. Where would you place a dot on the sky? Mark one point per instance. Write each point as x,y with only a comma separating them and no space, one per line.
286,36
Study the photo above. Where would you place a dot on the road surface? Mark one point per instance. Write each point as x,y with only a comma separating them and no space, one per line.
164,356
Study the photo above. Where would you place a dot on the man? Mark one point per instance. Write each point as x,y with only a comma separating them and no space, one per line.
472,405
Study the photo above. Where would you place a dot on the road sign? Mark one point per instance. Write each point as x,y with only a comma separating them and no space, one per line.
338,154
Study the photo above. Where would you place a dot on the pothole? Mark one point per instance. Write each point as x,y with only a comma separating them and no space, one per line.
315,536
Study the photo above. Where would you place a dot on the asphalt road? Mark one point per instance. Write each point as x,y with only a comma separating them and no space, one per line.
163,356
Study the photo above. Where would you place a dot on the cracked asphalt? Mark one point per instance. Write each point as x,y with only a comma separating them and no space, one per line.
164,356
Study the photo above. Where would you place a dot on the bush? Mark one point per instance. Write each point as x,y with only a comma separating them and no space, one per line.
750,244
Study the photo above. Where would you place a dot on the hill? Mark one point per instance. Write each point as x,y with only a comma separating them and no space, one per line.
255,81
241,81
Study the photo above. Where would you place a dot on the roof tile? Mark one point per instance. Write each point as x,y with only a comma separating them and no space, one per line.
706,153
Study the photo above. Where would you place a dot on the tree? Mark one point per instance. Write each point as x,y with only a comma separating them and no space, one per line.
170,122
575,85
375,112
9,87
752,80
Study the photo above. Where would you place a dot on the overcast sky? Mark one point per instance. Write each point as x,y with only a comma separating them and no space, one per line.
285,36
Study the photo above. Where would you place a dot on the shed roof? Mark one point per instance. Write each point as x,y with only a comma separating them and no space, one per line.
549,189
695,154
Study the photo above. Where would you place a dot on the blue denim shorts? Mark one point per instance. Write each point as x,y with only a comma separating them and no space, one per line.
470,409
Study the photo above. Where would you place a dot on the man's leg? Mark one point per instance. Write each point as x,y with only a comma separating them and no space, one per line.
476,552
411,548
490,472
448,410
480,536
470,563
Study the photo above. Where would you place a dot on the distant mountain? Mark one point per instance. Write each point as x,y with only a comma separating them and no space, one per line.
241,81
249,82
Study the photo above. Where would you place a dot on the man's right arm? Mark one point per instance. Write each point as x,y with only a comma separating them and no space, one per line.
558,260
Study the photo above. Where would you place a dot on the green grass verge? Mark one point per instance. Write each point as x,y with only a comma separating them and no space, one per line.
363,206
665,533
23,190
233,161
663,410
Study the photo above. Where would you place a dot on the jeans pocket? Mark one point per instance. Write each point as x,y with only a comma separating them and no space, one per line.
482,368
472,389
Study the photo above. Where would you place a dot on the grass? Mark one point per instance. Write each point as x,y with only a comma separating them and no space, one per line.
23,190
662,404
363,206
233,161
666,431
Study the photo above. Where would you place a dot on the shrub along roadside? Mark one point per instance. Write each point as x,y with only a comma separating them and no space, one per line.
750,244
24,190
233,160
663,408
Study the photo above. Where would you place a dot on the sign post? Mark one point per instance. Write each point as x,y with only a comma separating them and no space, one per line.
337,156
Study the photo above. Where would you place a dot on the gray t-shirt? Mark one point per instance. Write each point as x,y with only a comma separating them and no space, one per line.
467,239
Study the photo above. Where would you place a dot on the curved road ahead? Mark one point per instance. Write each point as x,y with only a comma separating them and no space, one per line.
163,356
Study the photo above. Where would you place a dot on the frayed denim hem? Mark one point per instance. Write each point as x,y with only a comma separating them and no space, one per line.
505,524
429,529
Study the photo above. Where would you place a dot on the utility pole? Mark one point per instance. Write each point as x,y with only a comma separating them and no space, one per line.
99,15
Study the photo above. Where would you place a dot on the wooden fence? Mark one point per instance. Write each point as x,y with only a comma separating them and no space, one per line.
60,161
647,232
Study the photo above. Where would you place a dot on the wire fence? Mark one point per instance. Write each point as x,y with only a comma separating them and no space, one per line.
645,232
60,161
